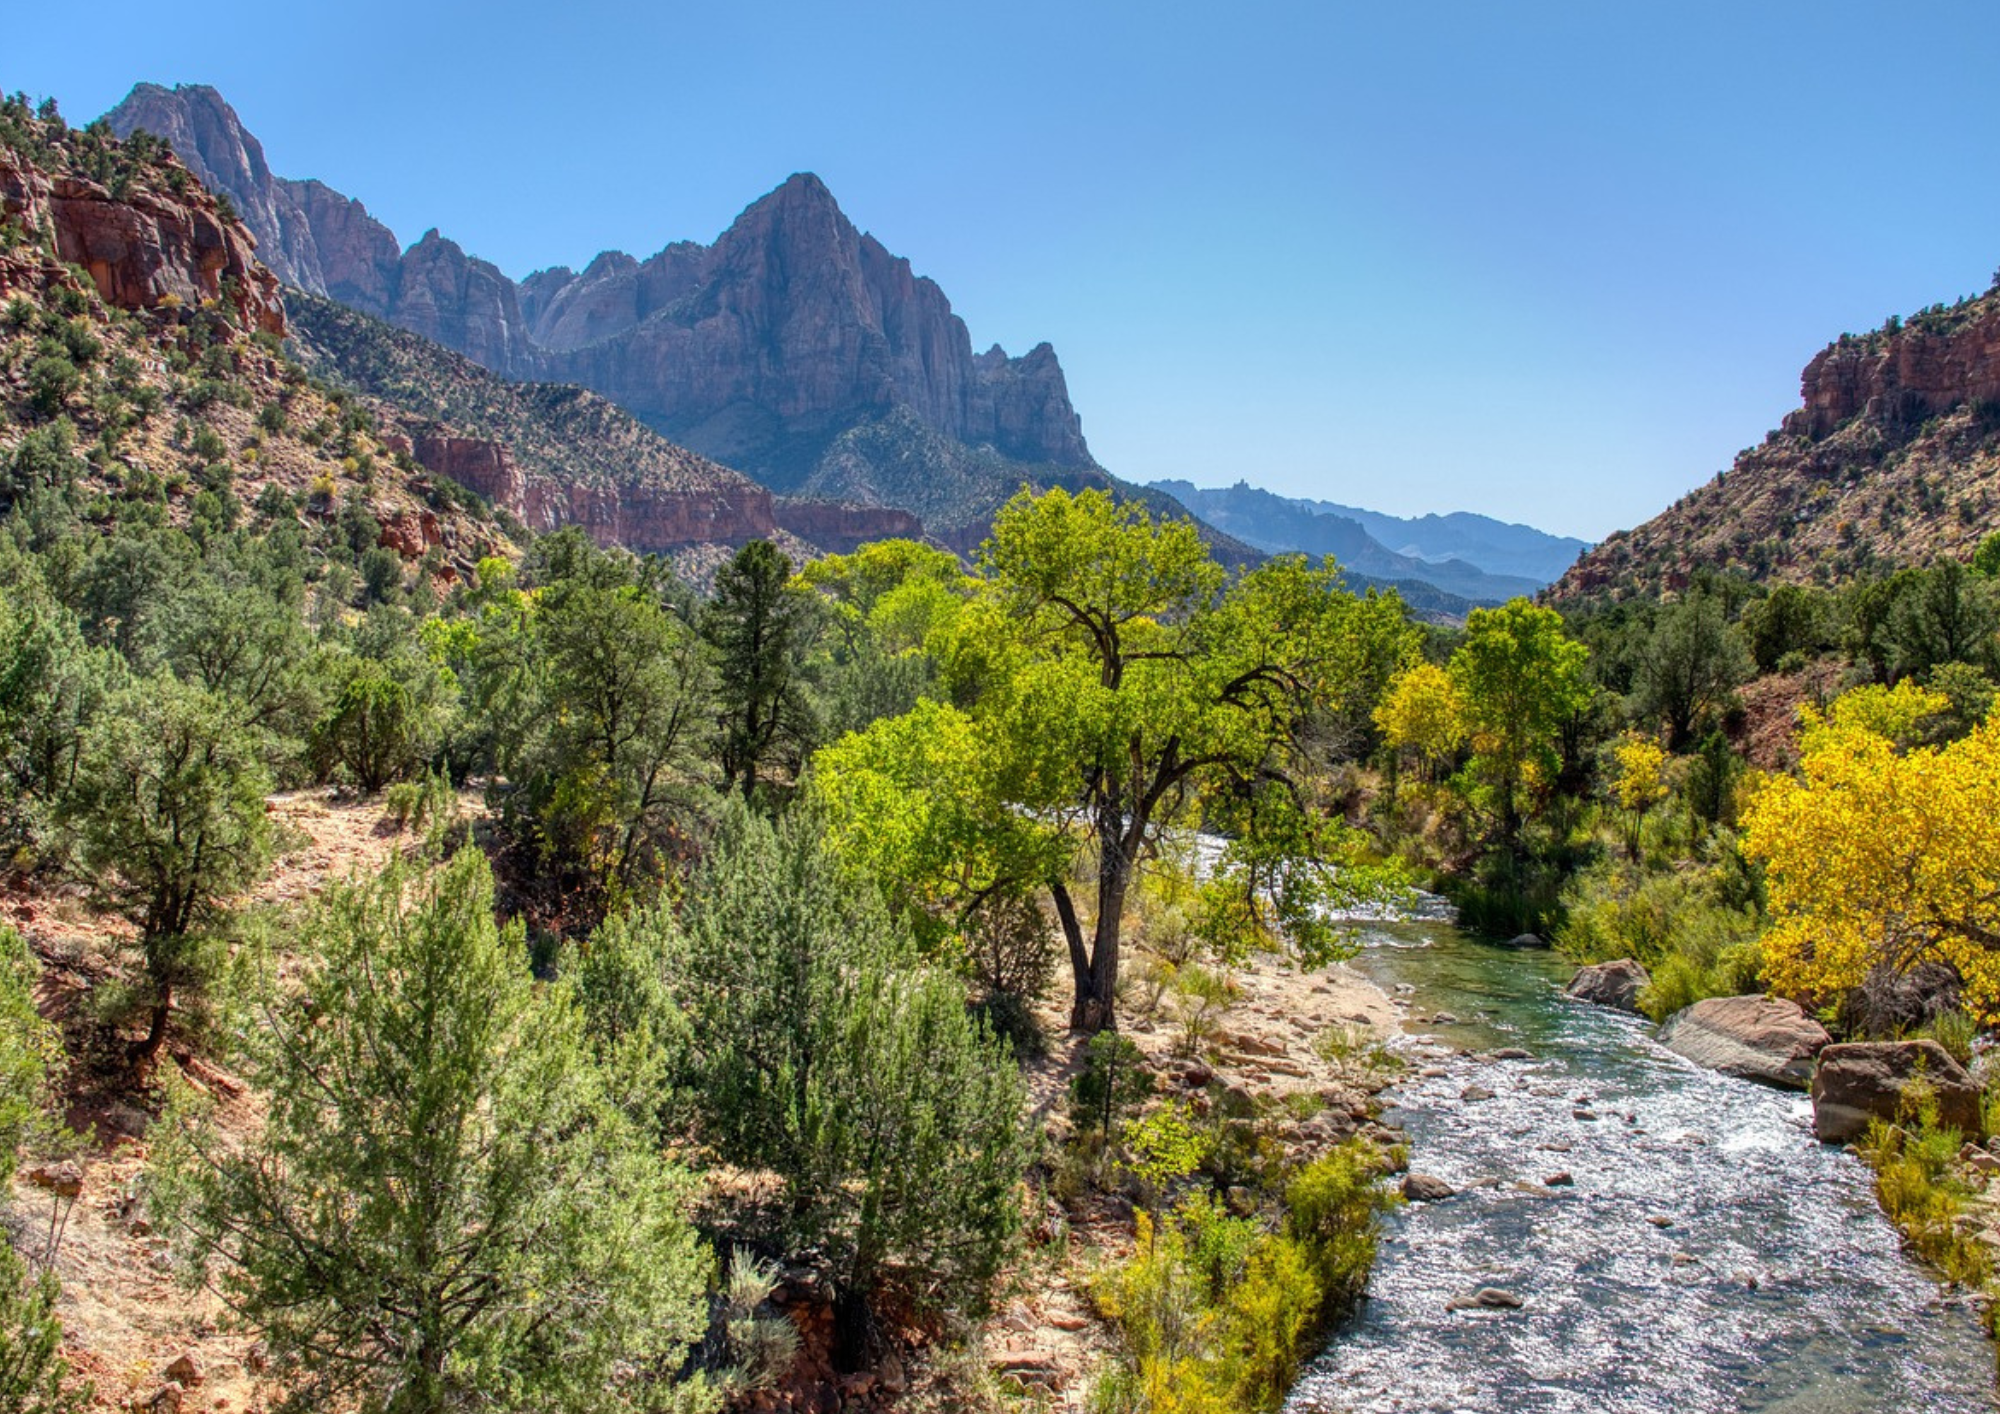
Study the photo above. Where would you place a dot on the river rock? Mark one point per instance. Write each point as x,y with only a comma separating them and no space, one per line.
1766,1039
1613,984
1508,1053
1559,1180
1866,1080
1487,1298
1426,1188
1526,940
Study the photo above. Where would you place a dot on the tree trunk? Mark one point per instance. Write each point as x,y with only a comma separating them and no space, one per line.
1097,986
146,1051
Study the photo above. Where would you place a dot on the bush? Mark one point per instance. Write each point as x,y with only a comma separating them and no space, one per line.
1687,927
1214,1313
826,1051
52,378
444,1209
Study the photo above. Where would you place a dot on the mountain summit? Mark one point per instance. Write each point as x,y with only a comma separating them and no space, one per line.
795,347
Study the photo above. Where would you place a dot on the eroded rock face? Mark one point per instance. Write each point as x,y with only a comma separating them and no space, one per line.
1858,1082
1613,984
146,248
1765,1039
640,516
1902,378
841,528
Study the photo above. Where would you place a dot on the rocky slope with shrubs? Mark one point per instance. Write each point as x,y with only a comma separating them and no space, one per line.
140,356
1891,459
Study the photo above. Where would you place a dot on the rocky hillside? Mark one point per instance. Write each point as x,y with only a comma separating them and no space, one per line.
1892,458
795,347
142,371
557,455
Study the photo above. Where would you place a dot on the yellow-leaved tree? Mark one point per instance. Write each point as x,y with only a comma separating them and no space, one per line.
1421,716
1881,855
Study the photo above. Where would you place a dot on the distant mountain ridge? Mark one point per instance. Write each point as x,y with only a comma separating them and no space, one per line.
1437,550
1892,458
795,347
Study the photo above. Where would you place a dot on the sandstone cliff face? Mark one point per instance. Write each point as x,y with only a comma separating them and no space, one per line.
464,304
320,241
642,515
841,528
146,246
212,143
1892,458
354,257
763,350
1899,379
793,327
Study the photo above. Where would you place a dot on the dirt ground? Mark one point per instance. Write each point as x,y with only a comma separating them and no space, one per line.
128,1321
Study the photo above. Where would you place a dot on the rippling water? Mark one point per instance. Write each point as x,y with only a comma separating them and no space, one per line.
1778,1285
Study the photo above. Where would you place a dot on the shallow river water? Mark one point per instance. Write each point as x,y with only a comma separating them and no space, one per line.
1778,1285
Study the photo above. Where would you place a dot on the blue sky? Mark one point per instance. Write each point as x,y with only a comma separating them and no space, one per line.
1553,262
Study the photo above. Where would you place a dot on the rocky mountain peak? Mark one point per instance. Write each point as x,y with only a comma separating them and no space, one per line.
763,350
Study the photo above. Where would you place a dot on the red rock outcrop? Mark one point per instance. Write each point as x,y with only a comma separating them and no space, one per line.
1901,378
145,247
643,516
482,466
840,527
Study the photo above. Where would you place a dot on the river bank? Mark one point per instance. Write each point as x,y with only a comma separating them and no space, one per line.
1300,1047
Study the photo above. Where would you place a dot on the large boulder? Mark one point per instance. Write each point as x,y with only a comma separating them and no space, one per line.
1868,1080
1613,984
1765,1039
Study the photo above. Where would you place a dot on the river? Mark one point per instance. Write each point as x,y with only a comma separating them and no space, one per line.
1777,1286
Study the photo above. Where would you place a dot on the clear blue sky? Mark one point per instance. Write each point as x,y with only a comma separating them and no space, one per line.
1553,262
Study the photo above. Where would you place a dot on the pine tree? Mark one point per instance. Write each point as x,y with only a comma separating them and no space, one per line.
444,1210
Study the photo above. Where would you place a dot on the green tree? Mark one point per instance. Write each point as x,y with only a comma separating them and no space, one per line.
381,726
824,1050
1519,680
1692,661
168,813
1945,614
619,695
761,626
1130,685
444,1211
1790,619
52,687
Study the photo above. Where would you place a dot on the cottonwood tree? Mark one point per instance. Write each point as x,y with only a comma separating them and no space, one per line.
168,814
444,1209
1520,679
1116,684
1881,854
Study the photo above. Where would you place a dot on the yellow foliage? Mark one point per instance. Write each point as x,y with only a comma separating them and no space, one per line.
1421,713
1898,713
1641,784
1877,856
